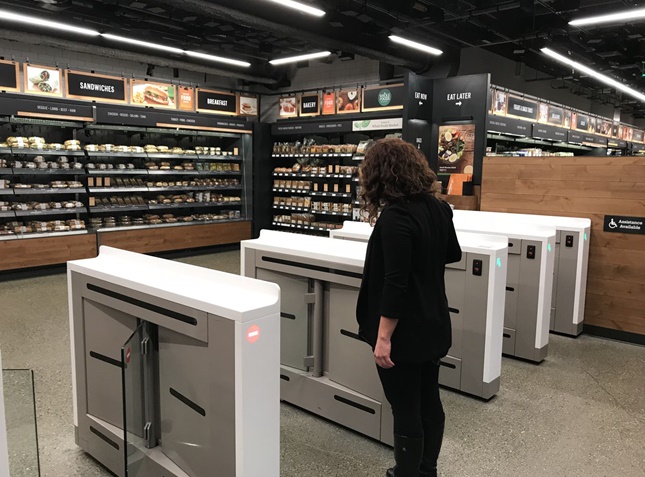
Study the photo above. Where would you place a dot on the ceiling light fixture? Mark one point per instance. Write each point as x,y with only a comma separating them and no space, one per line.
627,16
295,59
594,74
219,59
415,45
10,16
132,41
300,7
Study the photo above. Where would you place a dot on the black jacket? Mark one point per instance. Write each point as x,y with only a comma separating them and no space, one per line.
403,278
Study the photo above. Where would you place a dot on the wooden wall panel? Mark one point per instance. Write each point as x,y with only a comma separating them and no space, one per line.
584,187
177,238
38,252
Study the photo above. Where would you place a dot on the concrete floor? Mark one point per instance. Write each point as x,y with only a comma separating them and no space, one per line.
580,413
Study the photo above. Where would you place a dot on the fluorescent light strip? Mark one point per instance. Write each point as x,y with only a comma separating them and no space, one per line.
594,74
628,16
295,59
301,7
10,16
147,44
415,45
218,59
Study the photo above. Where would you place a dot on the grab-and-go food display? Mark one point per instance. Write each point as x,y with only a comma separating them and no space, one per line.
75,180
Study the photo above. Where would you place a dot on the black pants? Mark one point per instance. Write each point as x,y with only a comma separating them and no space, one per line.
413,392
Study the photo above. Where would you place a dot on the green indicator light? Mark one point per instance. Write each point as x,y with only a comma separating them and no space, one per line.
499,262
585,235
548,247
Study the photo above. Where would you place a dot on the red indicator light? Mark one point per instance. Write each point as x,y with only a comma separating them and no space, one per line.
253,334
128,355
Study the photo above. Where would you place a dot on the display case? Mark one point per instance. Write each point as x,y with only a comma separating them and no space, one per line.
315,175
110,184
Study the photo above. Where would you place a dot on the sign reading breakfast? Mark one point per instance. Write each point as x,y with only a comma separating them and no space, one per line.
218,102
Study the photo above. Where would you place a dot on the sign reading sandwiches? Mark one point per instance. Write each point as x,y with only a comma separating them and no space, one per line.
149,93
92,86
217,102
9,75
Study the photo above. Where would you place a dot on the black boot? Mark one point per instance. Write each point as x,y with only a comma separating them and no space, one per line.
407,454
432,439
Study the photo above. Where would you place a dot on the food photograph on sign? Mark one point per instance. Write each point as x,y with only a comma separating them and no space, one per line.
248,105
145,93
186,98
500,101
348,101
288,107
567,119
42,80
456,148
543,113
329,103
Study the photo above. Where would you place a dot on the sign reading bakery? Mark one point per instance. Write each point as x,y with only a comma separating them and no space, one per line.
42,80
9,75
92,86
149,93
217,102
310,105
382,98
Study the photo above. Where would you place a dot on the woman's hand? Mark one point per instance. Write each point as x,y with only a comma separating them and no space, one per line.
382,353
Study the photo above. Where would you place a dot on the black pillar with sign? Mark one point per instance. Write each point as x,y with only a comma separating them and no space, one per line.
417,114
462,100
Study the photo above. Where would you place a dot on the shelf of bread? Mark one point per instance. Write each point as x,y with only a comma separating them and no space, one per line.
330,194
109,190
34,235
291,208
325,228
38,145
118,172
148,221
48,172
5,170
40,212
49,191
4,214
117,155
107,209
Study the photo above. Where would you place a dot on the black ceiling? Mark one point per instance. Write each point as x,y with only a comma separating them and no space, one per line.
259,30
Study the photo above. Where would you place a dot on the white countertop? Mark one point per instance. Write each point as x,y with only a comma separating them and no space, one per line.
575,224
230,296
508,229
308,246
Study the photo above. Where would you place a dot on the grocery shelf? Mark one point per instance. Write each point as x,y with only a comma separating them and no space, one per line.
36,213
291,208
331,194
205,157
302,227
158,226
192,188
306,175
58,190
22,171
107,190
101,209
172,173
6,191
21,236
292,191
328,154
117,172
163,155
7,214
220,173
46,152
5,150
185,205
6,170
117,155
337,214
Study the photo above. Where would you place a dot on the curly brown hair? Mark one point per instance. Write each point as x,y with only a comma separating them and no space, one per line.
392,171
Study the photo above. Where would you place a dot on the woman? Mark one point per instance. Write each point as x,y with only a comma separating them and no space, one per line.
402,307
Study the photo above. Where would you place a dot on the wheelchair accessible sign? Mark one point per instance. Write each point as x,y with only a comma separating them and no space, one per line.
624,225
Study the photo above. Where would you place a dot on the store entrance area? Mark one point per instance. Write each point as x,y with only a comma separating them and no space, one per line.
580,413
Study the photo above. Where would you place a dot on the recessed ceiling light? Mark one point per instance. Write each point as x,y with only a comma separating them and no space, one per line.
219,59
147,44
301,7
594,74
415,45
295,59
627,16
16,17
